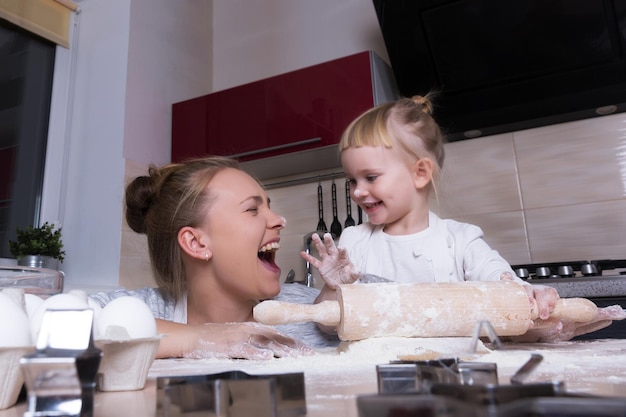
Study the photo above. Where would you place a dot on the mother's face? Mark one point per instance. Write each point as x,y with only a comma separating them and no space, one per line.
244,235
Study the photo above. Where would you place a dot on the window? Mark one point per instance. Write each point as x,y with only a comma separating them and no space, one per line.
25,92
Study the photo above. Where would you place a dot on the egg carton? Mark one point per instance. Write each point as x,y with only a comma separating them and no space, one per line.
125,364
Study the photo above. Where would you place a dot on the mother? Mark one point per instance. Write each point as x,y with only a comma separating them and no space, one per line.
212,239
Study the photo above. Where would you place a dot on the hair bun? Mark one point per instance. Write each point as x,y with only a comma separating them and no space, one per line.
424,103
140,195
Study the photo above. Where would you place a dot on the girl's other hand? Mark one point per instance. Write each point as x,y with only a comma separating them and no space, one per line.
555,330
541,297
334,265
545,298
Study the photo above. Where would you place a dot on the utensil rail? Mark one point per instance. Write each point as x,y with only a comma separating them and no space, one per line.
304,180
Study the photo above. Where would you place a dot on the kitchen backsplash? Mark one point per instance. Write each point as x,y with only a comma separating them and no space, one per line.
547,194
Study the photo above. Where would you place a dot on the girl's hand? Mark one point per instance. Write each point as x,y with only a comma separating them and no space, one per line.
550,329
545,297
334,266
555,330
246,340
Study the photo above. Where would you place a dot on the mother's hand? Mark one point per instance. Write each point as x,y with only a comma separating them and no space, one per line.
246,340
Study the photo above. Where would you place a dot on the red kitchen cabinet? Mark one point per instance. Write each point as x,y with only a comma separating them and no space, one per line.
288,113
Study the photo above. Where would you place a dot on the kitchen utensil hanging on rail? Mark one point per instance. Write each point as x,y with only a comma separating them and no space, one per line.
335,226
321,226
349,220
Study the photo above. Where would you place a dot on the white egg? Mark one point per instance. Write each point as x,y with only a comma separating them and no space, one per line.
80,294
32,303
57,301
16,294
14,325
126,317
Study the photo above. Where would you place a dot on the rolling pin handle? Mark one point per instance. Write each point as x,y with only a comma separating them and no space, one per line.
578,310
274,312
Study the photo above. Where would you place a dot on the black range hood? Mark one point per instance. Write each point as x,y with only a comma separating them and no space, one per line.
505,65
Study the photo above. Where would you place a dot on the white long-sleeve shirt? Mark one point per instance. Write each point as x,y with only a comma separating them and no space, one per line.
446,251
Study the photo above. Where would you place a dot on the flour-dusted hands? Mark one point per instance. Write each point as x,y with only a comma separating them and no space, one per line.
545,298
555,330
541,297
246,340
334,265
551,329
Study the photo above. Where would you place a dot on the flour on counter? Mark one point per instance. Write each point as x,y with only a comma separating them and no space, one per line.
359,355
595,367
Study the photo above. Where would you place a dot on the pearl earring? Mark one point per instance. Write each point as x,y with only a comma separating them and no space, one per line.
206,256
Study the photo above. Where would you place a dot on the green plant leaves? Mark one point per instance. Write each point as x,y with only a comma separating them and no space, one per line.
44,240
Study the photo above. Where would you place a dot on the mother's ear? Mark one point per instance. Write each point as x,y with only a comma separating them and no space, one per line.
195,243
423,172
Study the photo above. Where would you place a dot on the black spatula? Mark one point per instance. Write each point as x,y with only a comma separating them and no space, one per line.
335,226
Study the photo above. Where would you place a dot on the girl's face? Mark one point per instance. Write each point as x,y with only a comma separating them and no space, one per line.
244,235
386,187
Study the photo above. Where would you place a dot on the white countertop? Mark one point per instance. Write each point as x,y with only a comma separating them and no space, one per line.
333,379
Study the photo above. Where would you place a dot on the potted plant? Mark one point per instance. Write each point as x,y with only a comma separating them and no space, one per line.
39,247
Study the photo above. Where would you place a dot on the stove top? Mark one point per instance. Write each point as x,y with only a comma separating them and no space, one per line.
572,269
604,278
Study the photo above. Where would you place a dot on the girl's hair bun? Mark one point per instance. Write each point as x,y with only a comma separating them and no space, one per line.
424,103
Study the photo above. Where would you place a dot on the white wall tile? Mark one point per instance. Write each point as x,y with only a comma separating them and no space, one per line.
578,232
570,163
479,176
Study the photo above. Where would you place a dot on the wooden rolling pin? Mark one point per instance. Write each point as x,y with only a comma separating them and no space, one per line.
423,310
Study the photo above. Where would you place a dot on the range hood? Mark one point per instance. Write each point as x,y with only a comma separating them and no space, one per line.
500,66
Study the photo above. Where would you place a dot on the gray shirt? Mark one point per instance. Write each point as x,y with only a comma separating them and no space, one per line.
168,309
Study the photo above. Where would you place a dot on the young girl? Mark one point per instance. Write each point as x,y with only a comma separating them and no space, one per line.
212,239
392,156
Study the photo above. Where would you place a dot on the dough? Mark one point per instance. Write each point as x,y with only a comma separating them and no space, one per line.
413,348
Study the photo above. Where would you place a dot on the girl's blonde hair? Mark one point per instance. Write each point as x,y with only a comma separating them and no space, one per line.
413,114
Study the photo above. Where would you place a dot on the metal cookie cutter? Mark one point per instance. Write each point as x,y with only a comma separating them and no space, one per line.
60,375
231,394
420,376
